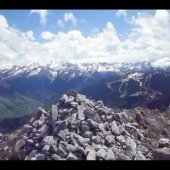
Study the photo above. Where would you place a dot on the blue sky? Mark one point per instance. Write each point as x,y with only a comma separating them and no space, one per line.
83,35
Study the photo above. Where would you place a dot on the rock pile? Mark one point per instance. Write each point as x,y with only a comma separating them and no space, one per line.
77,128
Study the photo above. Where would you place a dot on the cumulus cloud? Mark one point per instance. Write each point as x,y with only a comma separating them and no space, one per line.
67,18
43,15
120,13
149,39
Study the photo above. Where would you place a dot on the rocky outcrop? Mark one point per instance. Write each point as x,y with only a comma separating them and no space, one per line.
77,128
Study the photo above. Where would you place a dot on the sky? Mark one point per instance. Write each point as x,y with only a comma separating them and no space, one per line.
44,36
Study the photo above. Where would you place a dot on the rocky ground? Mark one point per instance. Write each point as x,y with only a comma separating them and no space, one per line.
77,128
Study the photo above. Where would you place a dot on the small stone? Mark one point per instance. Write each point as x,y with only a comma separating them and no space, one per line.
46,148
81,115
61,152
110,155
101,154
27,128
163,142
87,134
71,157
30,141
54,112
64,98
55,157
74,104
80,98
140,156
97,140
40,157
161,154
73,118
19,144
92,124
70,148
85,128
121,140
115,128
109,140
91,155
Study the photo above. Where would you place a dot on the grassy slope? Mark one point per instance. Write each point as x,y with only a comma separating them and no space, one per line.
17,105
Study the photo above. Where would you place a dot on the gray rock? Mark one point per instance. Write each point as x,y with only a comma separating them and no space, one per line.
109,140
161,154
89,112
27,128
61,152
103,118
109,118
101,154
46,148
33,159
79,152
115,128
54,112
131,129
87,134
85,128
32,154
122,130
100,103
62,134
71,157
61,126
19,144
73,118
40,157
49,140
53,148
55,157
30,141
121,140
117,117
91,155
143,149
92,124
130,144
101,111
81,141
140,156
110,155
80,98
90,103
64,98
44,130
121,156
74,104
70,99
81,115
71,148
97,139
163,142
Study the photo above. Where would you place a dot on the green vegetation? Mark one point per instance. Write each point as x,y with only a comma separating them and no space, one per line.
17,105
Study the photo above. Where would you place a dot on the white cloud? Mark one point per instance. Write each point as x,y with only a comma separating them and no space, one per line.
67,18
70,17
47,35
120,13
43,15
149,39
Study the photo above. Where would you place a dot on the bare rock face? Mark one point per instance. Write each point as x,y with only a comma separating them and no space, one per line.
77,128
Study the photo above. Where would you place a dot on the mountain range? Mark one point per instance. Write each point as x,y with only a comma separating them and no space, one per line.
122,85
